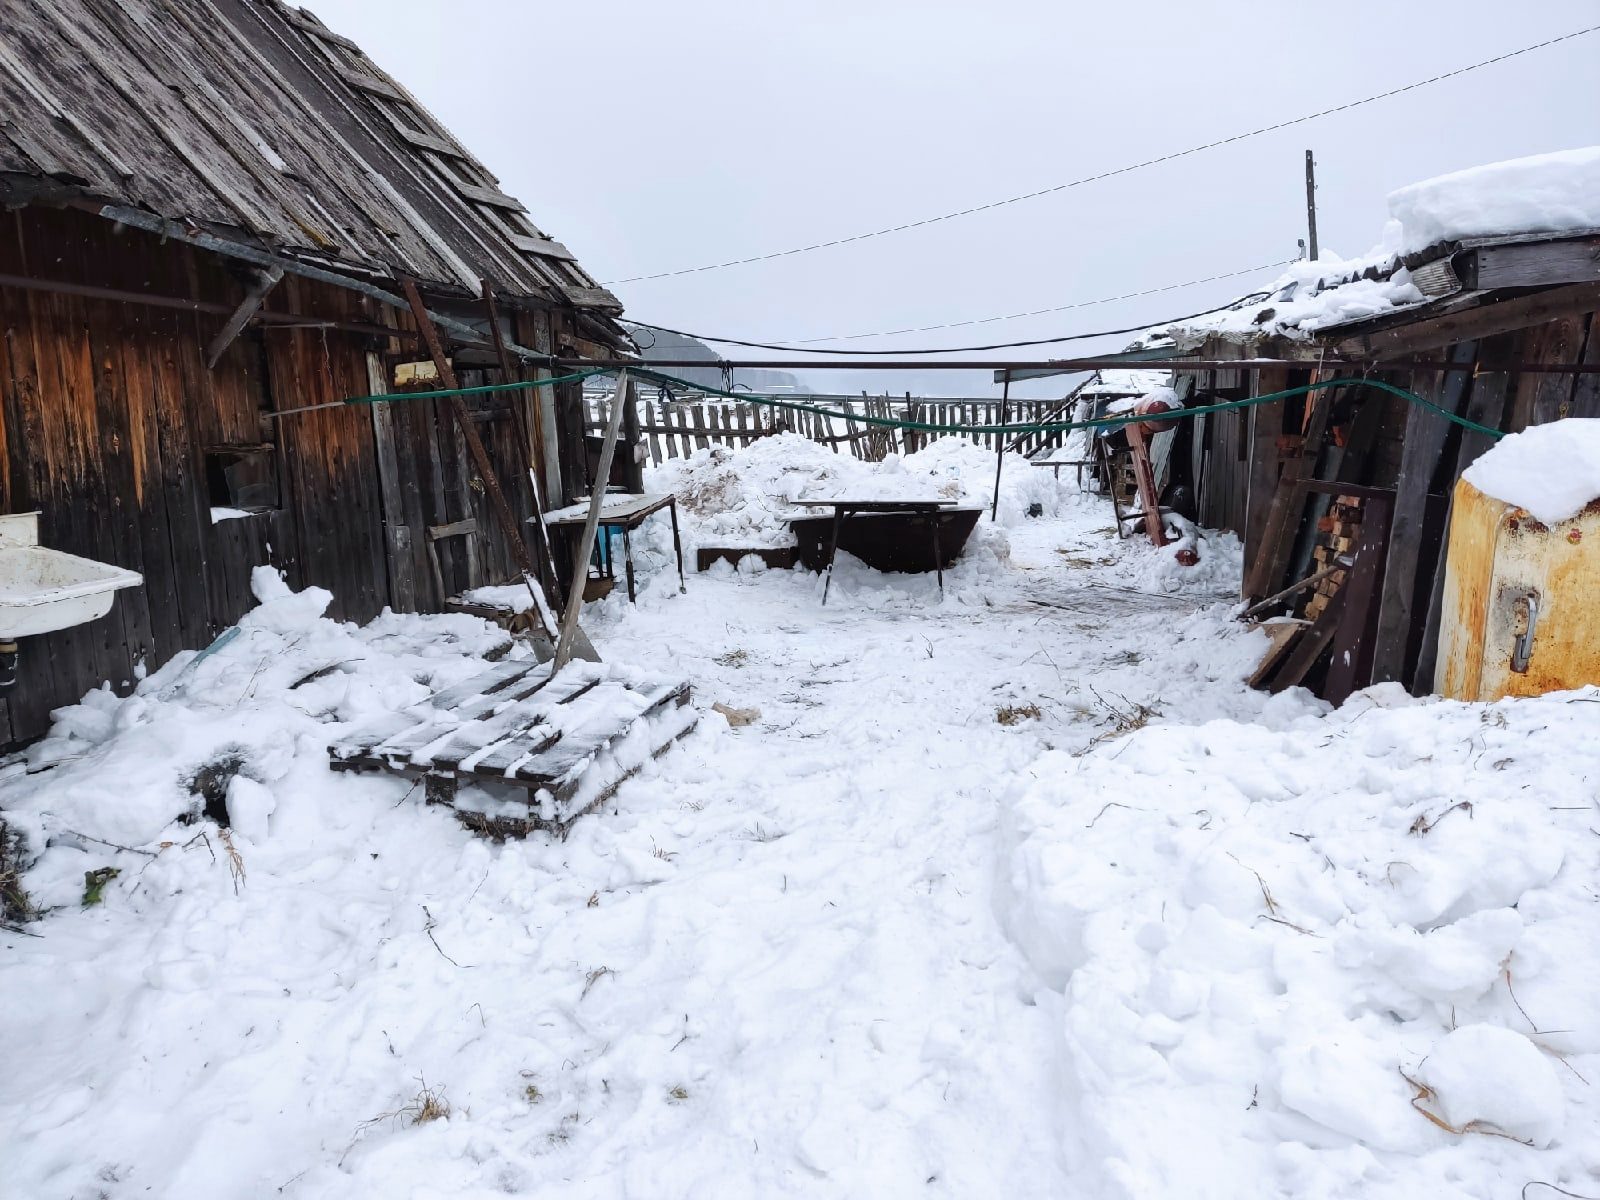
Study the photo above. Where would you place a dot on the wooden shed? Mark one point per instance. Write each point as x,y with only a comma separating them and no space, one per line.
212,210
1504,334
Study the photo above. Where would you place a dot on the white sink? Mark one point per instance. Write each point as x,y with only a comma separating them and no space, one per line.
43,590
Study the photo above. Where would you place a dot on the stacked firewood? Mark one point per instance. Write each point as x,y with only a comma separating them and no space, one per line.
1337,535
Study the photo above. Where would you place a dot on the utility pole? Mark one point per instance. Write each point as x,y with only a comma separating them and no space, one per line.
1311,206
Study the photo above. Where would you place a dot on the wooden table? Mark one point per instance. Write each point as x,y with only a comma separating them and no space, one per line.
843,507
624,511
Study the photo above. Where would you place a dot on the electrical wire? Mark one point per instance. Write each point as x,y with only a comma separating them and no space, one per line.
1068,337
1149,162
798,343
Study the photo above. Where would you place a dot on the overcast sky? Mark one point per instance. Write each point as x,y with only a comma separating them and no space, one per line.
651,136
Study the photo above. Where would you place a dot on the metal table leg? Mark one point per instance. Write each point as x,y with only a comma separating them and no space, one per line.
833,548
677,543
938,559
627,559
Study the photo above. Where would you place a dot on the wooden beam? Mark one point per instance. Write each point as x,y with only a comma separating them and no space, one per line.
1425,436
480,456
1532,264
427,141
1466,324
1586,392
1487,405
493,197
592,297
1266,430
265,280
1542,397
545,552
543,247
597,498
1267,569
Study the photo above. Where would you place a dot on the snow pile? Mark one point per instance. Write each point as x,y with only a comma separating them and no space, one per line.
237,713
1552,470
746,497
1292,961
1544,193
1157,568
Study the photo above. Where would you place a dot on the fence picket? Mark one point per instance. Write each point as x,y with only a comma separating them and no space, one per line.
655,439
677,429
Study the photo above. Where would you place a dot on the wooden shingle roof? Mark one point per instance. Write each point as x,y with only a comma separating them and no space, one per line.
252,121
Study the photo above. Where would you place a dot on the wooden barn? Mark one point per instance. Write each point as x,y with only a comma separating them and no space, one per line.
213,211
1347,491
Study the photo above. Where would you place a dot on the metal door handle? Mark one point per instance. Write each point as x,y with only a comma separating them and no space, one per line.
1522,648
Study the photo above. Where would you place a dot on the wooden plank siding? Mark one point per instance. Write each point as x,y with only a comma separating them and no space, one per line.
107,411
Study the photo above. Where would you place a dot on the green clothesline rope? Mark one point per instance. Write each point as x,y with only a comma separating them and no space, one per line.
520,385
1115,422
1013,430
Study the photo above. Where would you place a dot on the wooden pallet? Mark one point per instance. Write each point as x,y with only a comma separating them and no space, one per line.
568,742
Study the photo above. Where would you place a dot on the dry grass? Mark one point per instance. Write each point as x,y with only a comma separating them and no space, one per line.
427,1105
1123,719
1016,714
733,658
15,907
1081,562
678,1094
235,859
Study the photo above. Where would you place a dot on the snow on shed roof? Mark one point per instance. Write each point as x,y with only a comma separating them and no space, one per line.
255,122
1526,199
1117,382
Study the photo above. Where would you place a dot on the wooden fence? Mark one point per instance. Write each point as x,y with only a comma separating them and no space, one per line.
677,428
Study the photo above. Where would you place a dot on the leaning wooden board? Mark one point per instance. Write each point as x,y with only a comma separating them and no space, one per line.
568,741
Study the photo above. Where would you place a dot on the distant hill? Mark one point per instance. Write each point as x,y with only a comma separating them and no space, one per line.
678,348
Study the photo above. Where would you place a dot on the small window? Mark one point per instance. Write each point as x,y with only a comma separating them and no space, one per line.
243,479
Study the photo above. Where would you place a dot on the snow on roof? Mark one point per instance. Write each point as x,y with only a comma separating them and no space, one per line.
1552,470
1545,193
1118,382
1541,195
1311,295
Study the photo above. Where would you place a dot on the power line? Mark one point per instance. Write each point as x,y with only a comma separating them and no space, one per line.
1068,337
1149,162
1039,312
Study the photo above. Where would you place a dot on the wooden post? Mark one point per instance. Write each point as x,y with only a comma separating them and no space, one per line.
633,468
1311,206
597,498
1000,448
480,456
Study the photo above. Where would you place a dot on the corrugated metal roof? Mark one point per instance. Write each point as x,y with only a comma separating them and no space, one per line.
255,122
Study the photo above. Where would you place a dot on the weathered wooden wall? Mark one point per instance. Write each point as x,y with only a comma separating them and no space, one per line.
1378,440
106,412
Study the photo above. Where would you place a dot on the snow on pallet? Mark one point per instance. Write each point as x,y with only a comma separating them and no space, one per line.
570,741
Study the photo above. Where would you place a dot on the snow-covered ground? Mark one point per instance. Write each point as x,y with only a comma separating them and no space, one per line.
1019,893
